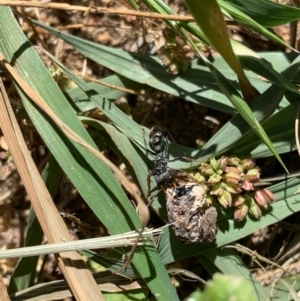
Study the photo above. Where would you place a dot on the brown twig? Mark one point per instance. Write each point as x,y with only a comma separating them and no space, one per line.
96,10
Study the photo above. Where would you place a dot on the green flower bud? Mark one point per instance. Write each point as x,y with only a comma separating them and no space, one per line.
234,161
253,175
199,177
210,200
214,179
234,189
225,199
206,169
217,190
255,210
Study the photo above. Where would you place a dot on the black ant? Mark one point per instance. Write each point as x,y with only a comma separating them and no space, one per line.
164,176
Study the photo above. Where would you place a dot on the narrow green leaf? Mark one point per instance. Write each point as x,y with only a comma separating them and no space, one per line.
262,68
245,111
266,13
139,259
125,149
282,291
93,179
243,18
82,168
263,107
83,103
149,70
280,128
210,19
110,263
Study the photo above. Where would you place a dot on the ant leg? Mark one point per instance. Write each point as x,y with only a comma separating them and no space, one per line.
152,198
150,174
182,157
188,159
182,175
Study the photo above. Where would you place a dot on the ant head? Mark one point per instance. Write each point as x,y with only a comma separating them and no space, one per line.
156,136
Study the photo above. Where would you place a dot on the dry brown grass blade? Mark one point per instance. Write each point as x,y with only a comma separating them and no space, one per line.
113,87
3,291
79,278
95,9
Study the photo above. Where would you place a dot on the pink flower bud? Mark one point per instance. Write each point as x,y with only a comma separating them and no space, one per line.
247,164
248,186
263,197
233,169
234,161
232,177
240,212
239,200
222,162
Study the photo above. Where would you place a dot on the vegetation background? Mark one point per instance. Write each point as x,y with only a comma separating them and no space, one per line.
221,76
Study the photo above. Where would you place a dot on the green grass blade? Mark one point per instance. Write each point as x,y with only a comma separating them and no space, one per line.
209,17
248,21
162,278
83,103
262,68
93,179
186,85
267,13
150,71
263,107
245,112
125,125
281,130
123,147
282,291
